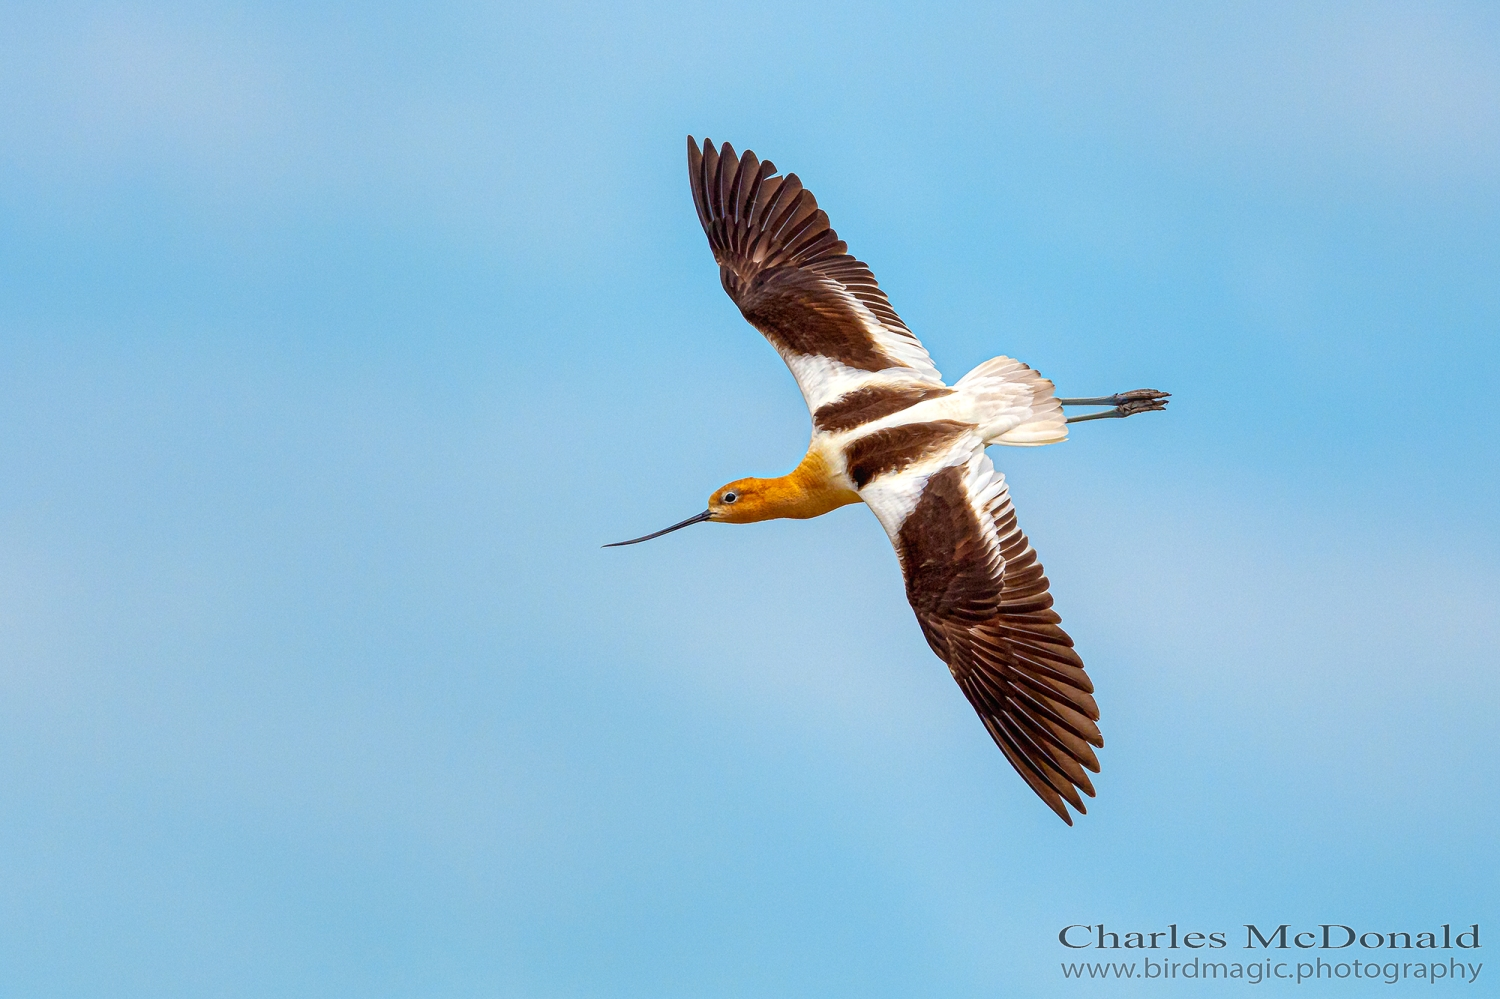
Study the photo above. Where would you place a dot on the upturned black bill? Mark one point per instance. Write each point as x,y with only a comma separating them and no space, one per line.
668,530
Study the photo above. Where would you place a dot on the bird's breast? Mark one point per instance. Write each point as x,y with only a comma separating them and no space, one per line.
816,486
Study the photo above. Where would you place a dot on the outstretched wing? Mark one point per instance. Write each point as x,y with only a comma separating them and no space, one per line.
981,598
791,277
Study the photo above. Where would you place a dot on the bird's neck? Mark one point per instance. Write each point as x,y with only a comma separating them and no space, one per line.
809,490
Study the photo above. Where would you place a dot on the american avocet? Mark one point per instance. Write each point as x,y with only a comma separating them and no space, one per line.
889,433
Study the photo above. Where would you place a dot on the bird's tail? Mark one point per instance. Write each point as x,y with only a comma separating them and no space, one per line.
1013,404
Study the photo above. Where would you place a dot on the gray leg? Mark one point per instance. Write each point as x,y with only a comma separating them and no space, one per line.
1124,403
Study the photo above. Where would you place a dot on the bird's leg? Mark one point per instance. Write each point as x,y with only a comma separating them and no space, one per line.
1124,403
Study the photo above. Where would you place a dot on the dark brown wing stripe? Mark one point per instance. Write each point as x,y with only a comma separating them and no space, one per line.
782,263
871,403
1001,640
798,312
949,570
896,448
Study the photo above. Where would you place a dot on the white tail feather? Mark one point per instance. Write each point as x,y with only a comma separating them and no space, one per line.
1012,404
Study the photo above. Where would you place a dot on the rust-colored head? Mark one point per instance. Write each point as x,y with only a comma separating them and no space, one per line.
808,491
745,501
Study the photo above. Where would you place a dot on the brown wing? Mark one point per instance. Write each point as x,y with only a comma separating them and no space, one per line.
982,601
789,272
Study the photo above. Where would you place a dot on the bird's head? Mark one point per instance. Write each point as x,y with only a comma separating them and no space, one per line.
744,501
806,492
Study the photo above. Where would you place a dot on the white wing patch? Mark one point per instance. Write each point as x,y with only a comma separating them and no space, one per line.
904,348
894,495
822,379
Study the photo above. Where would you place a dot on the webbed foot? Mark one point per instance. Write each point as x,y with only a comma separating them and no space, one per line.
1124,403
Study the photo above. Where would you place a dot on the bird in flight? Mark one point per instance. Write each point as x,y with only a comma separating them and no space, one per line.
889,433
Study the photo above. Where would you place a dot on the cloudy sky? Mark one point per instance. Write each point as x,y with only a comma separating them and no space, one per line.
335,338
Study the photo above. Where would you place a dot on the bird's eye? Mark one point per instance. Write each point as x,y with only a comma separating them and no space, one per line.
730,497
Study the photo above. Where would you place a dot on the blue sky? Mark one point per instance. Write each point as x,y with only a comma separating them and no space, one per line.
336,338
